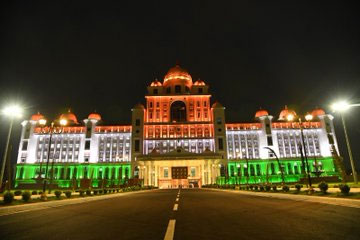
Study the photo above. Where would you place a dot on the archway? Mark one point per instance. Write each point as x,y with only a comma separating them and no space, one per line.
178,111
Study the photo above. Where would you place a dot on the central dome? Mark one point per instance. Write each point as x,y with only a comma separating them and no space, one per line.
177,74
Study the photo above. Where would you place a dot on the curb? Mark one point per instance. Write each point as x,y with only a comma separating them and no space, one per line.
354,203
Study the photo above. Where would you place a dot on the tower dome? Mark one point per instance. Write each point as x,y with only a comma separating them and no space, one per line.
177,75
317,112
37,117
261,113
94,116
285,112
70,117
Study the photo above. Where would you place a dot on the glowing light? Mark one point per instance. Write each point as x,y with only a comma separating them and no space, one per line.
340,106
42,121
308,117
290,117
12,111
63,122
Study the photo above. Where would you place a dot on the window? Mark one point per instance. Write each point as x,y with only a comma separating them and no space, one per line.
177,88
168,90
157,104
137,145
272,167
137,122
166,172
87,144
269,140
200,90
150,105
221,144
218,120
193,172
25,145
155,92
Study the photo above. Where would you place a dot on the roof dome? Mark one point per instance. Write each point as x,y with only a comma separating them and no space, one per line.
139,106
285,112
94,116
156,83
177,74
199,82
217,105
37,117
317,112
70,117
261,113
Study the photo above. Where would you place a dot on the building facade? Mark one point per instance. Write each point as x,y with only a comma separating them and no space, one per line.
177,139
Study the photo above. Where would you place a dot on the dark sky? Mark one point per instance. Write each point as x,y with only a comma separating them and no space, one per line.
101,56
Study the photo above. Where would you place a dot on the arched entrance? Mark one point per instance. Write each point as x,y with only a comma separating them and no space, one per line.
178,111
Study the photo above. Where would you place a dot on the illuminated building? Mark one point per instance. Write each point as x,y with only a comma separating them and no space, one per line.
177,138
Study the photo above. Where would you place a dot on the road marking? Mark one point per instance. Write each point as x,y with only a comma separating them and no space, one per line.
176,207
169,235
177,199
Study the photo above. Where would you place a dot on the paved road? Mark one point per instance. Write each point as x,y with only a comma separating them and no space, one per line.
200,214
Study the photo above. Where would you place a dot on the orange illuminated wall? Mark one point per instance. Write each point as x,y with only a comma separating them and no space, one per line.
158,108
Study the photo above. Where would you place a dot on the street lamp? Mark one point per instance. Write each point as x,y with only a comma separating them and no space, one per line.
308,117
342,107
280,167
51,131
12,112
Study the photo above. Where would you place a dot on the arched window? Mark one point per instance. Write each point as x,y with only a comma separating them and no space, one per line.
272,166
85,172
62,173
68,172
75,173
296,169
106,173
100,173
252,170
136,172
290,170
126,172
113,173
178,111
258,170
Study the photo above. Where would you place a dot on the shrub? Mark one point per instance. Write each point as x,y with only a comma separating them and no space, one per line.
267,188
113,190
100,191
274,188
88,192
34,192
8,197
58,194
323,187
26,196
344,188
251,187
17,193
95,192
256,187
117,190
40,192
261,188
298,187
285,188
81,193
105,191
68,194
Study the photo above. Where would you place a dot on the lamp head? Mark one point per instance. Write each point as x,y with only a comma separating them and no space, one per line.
308,117
340,106
42,122
13,111
290,117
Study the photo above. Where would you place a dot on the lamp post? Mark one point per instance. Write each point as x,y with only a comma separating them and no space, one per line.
51,131
308,118
341,107
278,161
13,111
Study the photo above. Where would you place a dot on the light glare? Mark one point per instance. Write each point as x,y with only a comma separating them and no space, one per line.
12,111
340,106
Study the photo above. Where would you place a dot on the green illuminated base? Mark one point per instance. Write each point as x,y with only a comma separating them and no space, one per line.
68,175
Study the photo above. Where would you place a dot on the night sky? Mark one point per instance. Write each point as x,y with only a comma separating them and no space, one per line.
86,56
